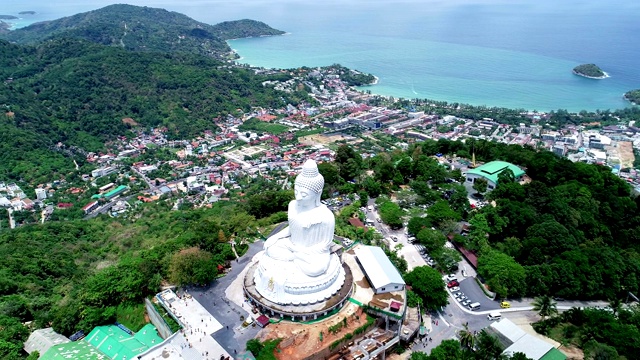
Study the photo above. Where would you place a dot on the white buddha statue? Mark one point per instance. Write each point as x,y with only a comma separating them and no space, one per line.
297,260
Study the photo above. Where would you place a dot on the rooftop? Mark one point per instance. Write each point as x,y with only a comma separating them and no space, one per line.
491,170
77,350
378,267
118,344
42,339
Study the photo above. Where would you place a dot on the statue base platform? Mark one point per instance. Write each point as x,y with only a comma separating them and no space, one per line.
297,310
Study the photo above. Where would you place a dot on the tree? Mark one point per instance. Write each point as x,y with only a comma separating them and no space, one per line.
428,284
330,172
467,338
488,347
480,185
192,266
372,187
349,162
503,274
447,350
413,300
418,355
447,259
441,211
433,240
479,231
506,176
594,350
416,224
391,214
545,306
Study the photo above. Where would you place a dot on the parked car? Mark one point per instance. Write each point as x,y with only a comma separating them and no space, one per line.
453,283
452,277
455,289
465,302
462,298
457,295
394,238
505,304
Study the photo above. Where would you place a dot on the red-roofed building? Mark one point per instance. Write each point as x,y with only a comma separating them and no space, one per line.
395,306
89,207
64,205
357,223
262,321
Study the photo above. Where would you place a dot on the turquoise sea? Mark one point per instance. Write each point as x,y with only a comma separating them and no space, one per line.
516,53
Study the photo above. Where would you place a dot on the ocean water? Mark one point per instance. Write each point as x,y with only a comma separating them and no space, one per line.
516,54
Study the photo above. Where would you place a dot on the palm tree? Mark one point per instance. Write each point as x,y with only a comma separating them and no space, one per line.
615,304
489,347
545,306
467,339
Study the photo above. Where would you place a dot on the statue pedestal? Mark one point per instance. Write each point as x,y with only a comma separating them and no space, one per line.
283,283
297,310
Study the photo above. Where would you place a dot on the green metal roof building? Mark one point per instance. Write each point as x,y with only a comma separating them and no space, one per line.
77,350
117,191
119,345
491,170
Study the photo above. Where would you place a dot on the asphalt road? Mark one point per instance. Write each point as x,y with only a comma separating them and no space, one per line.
472,290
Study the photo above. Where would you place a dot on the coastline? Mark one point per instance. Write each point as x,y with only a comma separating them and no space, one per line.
624,96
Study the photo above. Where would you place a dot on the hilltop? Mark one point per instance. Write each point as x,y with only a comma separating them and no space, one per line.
143,29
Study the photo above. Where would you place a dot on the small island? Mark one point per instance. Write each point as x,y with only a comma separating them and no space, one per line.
632,96
27,12
8,17
591,71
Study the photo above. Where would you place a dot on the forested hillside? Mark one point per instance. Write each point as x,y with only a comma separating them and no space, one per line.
143,29
76,92
78,274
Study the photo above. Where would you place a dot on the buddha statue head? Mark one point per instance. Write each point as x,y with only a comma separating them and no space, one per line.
309,184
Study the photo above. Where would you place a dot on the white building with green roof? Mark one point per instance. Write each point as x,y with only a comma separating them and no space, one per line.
490,172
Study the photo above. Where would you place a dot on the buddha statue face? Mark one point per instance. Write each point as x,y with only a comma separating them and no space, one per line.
305,197
308,185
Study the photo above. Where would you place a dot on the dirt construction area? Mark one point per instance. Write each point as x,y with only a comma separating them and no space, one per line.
320,139
625,154
302,340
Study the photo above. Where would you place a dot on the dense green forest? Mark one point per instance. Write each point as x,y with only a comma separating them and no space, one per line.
143,29
589,70
77,93
572,232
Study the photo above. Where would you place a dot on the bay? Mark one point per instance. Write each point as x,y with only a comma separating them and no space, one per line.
516,54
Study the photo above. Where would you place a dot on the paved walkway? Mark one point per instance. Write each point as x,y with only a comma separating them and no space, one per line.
198,323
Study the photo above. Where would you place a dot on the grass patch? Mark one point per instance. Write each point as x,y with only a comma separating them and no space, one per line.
173,325
131,316
263,127
302,133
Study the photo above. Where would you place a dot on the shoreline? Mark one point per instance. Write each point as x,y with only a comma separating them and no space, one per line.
624,96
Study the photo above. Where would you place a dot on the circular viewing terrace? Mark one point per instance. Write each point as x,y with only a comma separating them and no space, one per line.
298,312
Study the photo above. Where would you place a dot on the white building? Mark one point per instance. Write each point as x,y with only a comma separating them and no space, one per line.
382,275
41,194
103,171
514,339
42,339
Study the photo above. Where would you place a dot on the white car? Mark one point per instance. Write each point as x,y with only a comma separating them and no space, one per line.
454,289
452,277
394,238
